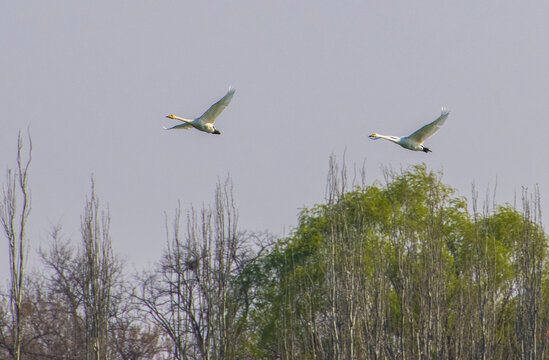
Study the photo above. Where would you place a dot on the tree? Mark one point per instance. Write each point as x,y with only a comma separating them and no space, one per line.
85,301
531,269
14,222
199,295
98,270
404,270
69,312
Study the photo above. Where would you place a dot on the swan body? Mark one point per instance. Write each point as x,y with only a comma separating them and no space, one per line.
205,122
415,140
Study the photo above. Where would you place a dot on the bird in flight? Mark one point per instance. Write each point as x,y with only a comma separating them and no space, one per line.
205,122
416,139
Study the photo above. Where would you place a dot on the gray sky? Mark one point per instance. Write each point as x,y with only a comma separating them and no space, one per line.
94,79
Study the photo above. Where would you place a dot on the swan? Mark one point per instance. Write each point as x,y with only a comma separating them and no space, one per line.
416,139
205,122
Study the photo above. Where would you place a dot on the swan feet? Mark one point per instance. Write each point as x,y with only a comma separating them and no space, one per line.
426,150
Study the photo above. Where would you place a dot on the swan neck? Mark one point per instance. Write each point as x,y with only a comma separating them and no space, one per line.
390,138
182,119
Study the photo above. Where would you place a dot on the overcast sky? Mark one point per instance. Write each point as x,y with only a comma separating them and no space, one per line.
94,80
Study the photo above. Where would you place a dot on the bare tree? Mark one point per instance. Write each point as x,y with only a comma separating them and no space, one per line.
196,295
64,297
98,269
16,193
66,315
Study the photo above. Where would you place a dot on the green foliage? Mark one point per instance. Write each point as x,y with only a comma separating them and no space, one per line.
402,270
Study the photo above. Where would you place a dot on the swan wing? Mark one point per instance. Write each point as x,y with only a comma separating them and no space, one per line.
213,112
430,129
185,126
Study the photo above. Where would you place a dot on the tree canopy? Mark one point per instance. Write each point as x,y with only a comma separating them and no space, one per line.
403,269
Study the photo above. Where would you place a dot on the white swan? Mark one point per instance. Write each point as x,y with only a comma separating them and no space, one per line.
416,139
205,122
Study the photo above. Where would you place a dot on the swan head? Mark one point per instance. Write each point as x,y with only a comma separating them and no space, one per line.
374,136
171,116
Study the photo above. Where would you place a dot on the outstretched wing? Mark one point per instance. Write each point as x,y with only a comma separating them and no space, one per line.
185,126
430,129
213,112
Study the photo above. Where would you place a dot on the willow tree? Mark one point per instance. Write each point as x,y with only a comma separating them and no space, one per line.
405,270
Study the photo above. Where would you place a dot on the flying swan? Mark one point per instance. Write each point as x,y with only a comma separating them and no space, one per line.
205,122
416,139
